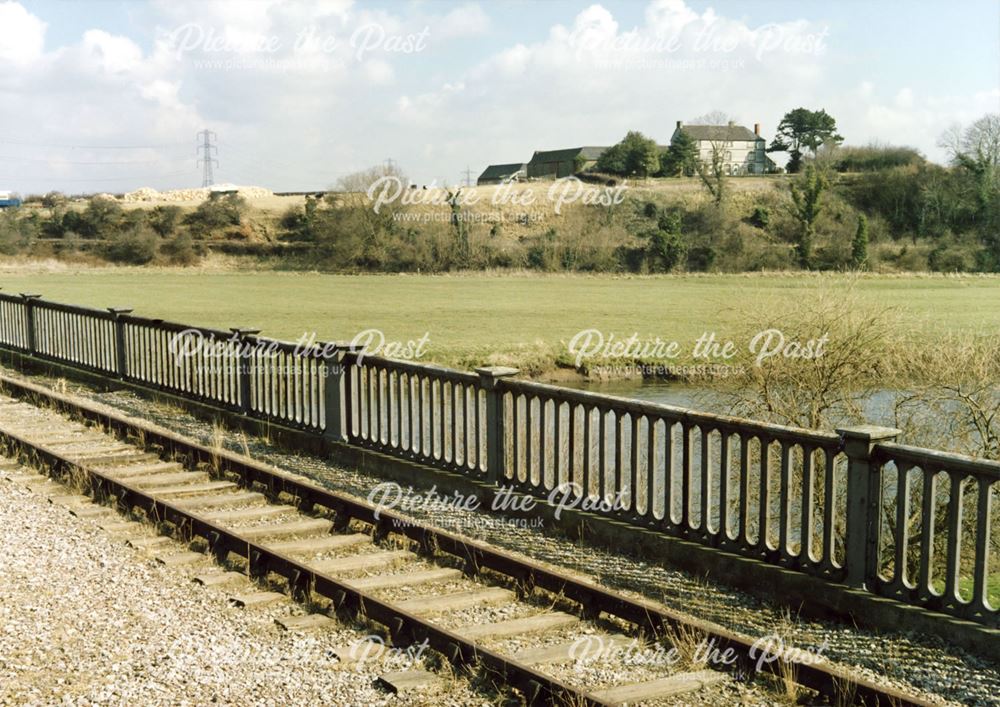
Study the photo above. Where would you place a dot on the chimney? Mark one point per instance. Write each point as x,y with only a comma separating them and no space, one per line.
756,129
678,125
732,123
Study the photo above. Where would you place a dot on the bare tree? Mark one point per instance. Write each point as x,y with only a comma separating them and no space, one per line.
362,180
715,117
979,143
829,387
713,171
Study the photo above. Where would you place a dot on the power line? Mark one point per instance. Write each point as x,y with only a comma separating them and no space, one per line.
15,158
22,178
91,147
206,160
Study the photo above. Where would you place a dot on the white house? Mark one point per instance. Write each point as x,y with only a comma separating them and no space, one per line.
742,149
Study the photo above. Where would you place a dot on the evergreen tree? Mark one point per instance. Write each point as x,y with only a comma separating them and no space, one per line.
804,128
859,248
807,205
681,158
636,155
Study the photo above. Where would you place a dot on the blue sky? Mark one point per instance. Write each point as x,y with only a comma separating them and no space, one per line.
489,82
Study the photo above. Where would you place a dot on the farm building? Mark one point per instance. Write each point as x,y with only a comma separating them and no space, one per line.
497,173
552,164
742,149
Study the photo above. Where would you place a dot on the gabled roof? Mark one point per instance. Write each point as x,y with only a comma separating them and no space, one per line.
587,153
720,132
500,171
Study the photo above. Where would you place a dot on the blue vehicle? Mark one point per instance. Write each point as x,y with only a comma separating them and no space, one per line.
9,200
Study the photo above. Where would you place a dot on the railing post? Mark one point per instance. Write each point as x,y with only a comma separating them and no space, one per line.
243,366
29,322
336,395
489,378
120,359
863,499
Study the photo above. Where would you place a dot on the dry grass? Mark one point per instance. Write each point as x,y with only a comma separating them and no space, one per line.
686,640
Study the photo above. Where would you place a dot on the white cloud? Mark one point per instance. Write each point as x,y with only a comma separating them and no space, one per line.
378,71
463,21
590,80
299,117
109,53
22,35
911,118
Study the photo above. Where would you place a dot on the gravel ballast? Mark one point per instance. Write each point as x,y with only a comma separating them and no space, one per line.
85,619
942,673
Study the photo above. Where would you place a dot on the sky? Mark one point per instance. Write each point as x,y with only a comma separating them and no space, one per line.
108,95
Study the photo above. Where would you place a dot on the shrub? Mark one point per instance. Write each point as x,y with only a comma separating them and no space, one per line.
134,247
951,258
833,255
164,219
16,234
666,251
701,258
219,211
760,217
180,250
54,199
872,158
769,256
101,219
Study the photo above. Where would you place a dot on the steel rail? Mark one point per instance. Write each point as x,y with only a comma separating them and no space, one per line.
656,620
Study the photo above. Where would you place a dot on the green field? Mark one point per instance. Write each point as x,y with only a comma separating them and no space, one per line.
521,319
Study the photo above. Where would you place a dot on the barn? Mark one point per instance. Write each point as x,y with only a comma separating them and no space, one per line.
497,173
552,164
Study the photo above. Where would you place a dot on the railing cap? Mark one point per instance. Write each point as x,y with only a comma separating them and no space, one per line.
120,310
496,371
869,433
25,295
244,332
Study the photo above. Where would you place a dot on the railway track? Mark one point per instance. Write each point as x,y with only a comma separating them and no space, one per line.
420,583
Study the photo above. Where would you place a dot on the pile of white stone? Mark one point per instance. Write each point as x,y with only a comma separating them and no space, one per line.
148,194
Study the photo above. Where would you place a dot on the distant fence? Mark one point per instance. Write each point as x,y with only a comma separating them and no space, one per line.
913,524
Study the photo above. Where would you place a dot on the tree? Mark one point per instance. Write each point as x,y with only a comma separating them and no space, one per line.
980,142
975,152
807,205
612,160
461,228
804,128
859,247
101,219
715,117
713,172
360,218
666,246
636,155
681,158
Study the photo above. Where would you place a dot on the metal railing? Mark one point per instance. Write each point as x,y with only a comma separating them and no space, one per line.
766,491
934,523
912,524
428,414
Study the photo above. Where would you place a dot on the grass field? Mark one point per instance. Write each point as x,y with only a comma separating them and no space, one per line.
521,319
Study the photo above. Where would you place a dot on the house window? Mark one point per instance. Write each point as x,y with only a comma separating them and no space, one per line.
729,155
